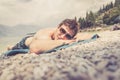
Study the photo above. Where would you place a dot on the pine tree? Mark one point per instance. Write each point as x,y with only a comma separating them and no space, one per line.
100,10
117,3
111,5
90,19
82,23
106,19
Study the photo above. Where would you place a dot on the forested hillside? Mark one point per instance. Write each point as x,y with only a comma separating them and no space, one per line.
108,14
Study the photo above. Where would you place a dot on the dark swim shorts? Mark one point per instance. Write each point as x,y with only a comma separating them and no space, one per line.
21,44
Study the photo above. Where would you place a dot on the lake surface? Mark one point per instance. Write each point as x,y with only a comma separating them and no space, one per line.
5,41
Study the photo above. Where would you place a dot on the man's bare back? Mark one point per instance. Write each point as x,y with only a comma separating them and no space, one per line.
43,34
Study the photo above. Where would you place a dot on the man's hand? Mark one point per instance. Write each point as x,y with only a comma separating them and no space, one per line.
69,41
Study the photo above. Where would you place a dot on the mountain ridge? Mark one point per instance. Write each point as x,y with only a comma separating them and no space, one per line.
18,30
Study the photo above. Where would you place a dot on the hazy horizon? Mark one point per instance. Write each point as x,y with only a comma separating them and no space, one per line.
45,13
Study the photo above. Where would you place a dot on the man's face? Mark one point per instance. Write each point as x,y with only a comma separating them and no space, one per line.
63,33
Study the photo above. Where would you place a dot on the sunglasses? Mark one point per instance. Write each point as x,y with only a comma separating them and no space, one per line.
68,36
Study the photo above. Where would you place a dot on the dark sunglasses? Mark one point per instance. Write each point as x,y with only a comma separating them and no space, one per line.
68,36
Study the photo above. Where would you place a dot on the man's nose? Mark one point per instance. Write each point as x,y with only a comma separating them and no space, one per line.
63,36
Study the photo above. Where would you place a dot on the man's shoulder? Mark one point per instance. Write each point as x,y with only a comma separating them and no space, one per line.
44,33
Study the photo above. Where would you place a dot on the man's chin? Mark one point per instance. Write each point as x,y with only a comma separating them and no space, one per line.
56,39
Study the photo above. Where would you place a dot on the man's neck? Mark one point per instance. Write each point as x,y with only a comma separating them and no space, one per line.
52,35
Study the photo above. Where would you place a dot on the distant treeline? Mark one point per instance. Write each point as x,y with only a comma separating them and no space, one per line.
109,14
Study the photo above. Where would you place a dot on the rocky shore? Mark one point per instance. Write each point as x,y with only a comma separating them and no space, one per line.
96,60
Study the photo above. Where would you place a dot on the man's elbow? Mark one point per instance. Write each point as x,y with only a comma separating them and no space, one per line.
35,50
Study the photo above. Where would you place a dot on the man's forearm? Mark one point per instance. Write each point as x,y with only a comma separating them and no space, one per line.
38,46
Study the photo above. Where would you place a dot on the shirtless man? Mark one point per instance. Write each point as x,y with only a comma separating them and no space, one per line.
47,39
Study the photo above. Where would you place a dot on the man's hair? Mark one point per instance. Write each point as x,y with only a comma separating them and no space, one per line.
72,24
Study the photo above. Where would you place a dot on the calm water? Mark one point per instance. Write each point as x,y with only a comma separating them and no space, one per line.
5,41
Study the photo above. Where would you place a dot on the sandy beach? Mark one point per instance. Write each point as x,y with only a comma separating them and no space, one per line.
96,60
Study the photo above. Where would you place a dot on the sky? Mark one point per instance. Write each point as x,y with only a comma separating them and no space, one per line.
45,13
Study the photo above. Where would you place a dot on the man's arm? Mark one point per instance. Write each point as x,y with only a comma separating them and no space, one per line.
83,36
38,46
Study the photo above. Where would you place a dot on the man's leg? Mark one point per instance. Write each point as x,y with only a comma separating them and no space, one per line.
19,45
